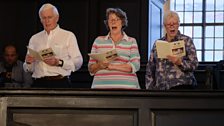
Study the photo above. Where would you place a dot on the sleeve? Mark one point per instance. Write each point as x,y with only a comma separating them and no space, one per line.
29,67
134,57
93,50
150,79
74,61
190,61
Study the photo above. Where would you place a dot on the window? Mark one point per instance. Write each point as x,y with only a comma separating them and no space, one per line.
203,21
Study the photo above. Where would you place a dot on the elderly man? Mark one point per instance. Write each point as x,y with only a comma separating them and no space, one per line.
53,71
172,72
11,69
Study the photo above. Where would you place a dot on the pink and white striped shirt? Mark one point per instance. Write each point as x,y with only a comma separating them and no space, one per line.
127,50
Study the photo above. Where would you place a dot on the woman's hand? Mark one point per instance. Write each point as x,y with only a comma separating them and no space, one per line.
98,66
174,59
103,64
120,67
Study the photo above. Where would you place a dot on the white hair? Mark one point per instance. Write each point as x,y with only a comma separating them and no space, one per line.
170,14
48,6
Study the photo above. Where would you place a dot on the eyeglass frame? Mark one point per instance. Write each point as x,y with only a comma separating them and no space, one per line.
114,20
174,25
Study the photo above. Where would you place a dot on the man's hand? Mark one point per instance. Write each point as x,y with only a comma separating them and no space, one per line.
29,59
174,59
52,61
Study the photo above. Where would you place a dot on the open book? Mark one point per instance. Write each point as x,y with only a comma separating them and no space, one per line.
165,48
40,55
109,55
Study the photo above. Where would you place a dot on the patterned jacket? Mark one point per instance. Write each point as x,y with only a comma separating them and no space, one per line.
161,74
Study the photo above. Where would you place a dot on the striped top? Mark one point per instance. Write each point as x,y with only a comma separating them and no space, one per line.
127,50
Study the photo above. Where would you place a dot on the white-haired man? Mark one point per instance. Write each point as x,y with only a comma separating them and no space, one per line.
53,71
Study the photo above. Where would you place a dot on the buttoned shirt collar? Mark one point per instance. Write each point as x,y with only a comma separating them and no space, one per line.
125,37
53,31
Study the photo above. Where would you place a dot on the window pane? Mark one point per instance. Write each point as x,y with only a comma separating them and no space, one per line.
197,31
181,16
219,17
198,5
211,48
209,17
188,5
208,56
198,44
218,55
188,17
209,31
188,31
219,4
181,29
197,17
209,43
218,31
218,43
179,5
209,5
199,55
172,5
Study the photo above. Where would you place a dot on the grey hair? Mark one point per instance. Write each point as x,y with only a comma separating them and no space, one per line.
48,6
170,14
118,12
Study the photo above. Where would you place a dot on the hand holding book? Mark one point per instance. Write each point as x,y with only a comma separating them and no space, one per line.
175,59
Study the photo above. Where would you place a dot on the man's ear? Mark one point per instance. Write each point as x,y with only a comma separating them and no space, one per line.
57,18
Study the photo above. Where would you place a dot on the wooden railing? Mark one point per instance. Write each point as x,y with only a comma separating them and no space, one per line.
41,107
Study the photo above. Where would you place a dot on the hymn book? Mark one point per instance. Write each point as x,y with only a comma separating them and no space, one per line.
42,54
165,48
105,56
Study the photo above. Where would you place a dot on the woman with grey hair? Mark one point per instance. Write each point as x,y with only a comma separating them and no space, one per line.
172,72
119,73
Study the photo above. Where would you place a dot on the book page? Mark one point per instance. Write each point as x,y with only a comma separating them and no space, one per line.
109,55
41,54
178,48
163,49
45,53
34,54
98,56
